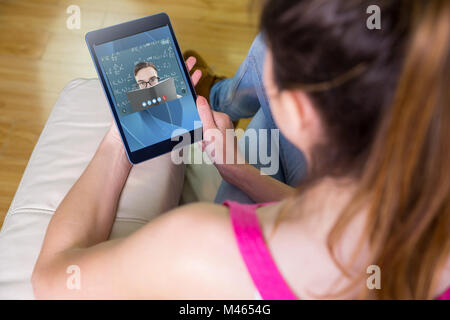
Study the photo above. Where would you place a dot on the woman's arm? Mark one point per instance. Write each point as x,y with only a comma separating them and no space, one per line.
76,261
86,214
261,188
201,262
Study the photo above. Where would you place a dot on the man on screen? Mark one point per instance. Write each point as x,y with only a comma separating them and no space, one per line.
150,125
146,74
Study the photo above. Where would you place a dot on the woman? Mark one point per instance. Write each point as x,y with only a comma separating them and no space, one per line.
369,109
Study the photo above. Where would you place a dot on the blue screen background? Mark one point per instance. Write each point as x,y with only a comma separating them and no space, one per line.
147,127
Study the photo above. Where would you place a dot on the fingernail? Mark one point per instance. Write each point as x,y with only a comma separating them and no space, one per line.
201,100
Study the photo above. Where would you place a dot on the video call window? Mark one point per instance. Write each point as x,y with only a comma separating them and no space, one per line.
155,59
148,86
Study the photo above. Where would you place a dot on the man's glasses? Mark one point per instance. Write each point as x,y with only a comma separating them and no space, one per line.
146,84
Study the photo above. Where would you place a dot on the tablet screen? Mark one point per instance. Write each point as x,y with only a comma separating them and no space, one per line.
148,87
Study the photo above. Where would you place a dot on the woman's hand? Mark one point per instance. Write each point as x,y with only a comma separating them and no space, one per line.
220,143
190,63
113,136
219,140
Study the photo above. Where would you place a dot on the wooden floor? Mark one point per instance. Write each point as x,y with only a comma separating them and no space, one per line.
39,55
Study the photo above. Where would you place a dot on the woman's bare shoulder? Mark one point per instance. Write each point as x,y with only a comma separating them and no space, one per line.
194,247
202,210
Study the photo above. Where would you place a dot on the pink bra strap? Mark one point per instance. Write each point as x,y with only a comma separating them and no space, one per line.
262,268
445,295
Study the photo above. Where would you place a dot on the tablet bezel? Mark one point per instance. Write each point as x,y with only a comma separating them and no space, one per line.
124,30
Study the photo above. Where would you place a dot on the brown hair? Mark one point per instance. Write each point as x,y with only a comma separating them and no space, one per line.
319,44
143,65
403,159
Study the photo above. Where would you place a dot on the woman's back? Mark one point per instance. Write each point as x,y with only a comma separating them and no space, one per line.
295,262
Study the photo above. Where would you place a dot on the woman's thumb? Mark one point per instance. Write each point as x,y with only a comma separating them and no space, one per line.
205,113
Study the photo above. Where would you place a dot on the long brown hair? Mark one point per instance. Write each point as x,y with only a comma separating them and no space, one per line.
407,179
393,141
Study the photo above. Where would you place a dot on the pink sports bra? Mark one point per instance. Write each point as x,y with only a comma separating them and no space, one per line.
262,268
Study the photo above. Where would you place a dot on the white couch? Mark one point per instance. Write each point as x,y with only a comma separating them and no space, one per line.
70,137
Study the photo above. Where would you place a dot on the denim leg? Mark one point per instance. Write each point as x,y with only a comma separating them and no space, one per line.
228,191
244,96
292,160
236,96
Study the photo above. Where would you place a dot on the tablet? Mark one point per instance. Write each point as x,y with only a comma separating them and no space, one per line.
147,85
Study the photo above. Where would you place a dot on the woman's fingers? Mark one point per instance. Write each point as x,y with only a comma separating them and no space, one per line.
205,113
215,146
222,120
190,62
196,77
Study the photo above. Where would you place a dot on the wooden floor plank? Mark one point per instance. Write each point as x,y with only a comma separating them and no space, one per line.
11,172
20,105
21,140
5,127
31,45
5,203
230,12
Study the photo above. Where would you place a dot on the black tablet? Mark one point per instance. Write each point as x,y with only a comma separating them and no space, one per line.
147,85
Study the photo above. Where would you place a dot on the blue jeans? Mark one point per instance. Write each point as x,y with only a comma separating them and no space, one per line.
243,96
